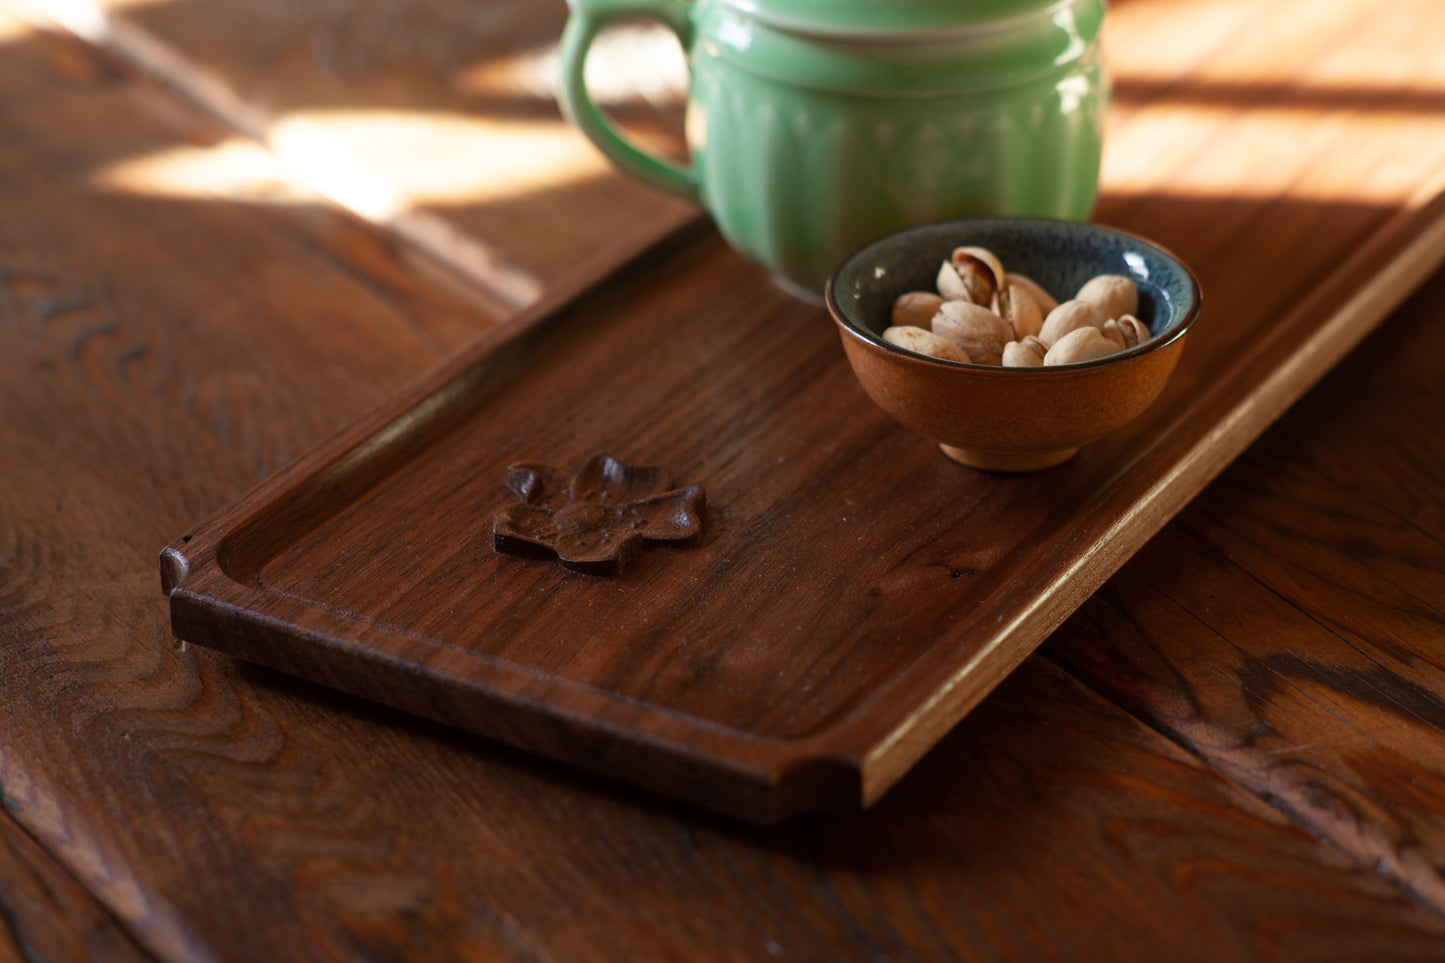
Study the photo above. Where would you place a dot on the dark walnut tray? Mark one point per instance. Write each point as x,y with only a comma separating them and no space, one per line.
852,593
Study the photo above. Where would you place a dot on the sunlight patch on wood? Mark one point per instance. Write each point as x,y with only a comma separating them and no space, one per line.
1204,151
235,168
437,157
13,26
87,19
1365,46
429,158
627,62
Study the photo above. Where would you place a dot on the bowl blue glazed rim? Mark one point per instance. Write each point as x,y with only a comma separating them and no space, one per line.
1183,296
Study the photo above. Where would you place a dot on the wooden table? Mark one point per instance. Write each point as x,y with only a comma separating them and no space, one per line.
1234,750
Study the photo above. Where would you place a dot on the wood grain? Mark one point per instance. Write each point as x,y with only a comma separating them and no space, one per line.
47,915
100,321
221,812
1041,756
434,120
1289,629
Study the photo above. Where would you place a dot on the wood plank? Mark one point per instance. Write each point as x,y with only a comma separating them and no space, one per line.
435,120
1289,627
100,295
46,915
1035,745
224,812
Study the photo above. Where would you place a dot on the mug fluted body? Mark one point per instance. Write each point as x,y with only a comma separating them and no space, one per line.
809,139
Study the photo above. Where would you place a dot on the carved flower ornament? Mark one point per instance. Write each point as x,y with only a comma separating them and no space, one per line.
593,520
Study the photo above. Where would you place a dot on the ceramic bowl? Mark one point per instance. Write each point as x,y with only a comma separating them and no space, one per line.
1012,419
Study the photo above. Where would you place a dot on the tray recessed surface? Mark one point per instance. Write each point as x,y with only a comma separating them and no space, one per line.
852,593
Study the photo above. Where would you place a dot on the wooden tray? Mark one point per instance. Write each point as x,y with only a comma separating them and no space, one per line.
852,593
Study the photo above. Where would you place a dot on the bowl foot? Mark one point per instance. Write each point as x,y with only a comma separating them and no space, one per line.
1009,460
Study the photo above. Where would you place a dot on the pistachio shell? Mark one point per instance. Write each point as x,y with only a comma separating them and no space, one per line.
977,330
971,274
922,341
1017,306
915,309
1081,344
1046,301
1111,331
1113,294
984,256
1133,330
950,285
1028,353
1069,316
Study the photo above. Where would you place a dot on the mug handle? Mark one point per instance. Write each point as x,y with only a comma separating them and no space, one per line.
586,21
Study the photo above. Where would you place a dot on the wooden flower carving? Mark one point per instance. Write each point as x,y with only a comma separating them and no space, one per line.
593,520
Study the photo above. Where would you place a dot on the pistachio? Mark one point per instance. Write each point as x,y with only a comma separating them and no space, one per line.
983,315
1027,352
1018,308
1067,317
922,341
1046,301
1126,331
915,309
977,330
950,285
1113,294
1133,330
1111,331
970,274
1081,344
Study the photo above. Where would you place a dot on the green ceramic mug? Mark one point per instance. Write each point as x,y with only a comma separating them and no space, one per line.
815,126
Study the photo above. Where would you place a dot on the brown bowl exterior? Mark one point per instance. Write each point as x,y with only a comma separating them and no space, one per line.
1009,419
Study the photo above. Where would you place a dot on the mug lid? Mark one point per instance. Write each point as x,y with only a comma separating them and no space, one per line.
891,19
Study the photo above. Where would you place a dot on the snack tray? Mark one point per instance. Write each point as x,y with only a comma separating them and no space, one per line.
849,594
